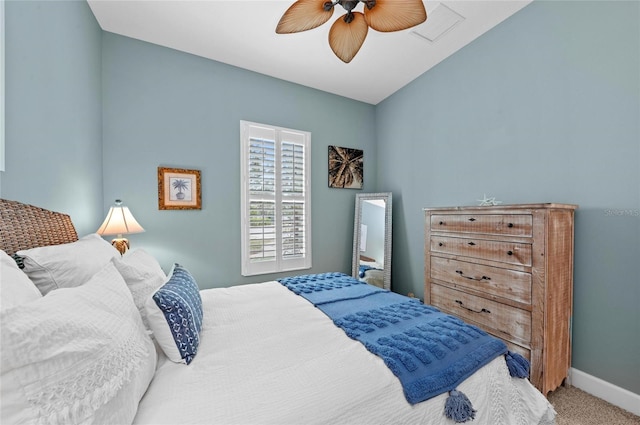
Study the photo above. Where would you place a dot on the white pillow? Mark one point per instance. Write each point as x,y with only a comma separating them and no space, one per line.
78,355
67,265
143,275
15,286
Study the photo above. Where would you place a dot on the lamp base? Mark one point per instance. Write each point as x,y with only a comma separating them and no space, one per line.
121,244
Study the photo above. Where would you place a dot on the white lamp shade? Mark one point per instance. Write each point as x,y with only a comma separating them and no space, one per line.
119,221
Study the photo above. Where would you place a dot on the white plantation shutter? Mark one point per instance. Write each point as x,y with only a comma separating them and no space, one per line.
276,218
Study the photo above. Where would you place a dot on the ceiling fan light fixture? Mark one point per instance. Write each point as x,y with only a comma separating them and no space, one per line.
350,30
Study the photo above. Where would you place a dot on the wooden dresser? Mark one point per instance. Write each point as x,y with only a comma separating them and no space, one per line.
509,270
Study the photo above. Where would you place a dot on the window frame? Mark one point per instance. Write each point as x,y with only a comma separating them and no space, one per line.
281,135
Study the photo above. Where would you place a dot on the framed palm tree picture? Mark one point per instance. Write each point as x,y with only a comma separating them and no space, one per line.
346,167
179,189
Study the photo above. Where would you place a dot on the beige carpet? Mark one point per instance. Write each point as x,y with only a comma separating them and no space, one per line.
576,407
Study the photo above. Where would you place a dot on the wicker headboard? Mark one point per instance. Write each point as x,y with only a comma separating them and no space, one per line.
24,226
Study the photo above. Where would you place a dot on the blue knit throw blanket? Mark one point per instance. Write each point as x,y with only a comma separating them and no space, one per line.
430,352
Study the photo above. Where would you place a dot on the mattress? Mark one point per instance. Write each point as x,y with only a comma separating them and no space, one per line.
268,356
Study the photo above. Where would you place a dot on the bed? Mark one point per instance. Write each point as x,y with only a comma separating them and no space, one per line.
371,272
265,355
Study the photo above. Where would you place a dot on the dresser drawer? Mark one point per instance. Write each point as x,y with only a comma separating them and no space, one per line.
525,352
489,314
504,252
505,283
497,224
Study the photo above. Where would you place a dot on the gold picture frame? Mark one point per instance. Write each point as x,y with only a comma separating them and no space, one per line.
179,189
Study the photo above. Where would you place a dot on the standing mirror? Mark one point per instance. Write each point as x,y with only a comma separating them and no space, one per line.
372,239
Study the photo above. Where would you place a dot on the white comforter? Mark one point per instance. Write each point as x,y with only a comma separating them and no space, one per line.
267,356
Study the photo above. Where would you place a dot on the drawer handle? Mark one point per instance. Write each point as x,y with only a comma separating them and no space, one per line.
484,310
441,223
472,243
440,244
461,273
510,225
472,219
509,252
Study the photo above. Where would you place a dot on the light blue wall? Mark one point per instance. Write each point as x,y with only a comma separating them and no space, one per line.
162,107
543,108
53,109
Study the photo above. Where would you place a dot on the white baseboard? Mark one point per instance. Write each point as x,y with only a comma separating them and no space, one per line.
615,395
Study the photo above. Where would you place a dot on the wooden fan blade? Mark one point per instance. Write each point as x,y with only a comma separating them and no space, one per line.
303,15
395,15
346,39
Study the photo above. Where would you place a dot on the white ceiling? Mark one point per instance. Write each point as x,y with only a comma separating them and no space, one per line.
242,33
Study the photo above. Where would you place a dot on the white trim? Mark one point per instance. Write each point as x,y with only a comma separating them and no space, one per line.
613,394
280,136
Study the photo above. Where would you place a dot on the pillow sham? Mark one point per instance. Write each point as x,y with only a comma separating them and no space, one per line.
78,355
66,265
143,275
175,316
15,287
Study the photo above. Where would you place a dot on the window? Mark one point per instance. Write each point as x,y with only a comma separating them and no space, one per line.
276,199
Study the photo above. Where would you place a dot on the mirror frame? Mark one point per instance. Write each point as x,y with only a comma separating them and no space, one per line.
360,197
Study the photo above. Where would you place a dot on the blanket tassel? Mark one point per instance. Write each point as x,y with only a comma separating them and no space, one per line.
517,364
458,407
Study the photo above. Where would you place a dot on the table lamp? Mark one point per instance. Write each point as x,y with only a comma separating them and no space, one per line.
119,222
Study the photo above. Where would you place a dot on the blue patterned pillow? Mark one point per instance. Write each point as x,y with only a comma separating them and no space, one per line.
174,312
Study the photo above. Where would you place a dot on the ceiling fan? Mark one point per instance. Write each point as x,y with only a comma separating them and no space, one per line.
349,31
